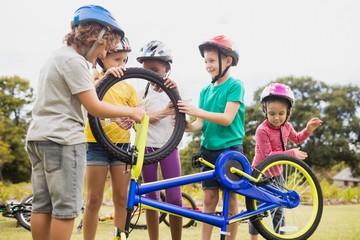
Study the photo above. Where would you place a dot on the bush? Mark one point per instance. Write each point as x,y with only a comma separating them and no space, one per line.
17,191
329,191
350,193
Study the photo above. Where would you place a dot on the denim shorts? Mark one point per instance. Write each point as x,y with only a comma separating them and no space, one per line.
211,156
97,156
57,178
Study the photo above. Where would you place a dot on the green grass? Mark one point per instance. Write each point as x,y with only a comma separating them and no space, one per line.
338,223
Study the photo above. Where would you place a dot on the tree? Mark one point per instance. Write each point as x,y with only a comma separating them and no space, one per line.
15,97
193,148
337,140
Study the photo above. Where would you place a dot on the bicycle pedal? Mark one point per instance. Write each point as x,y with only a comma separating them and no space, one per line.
195,161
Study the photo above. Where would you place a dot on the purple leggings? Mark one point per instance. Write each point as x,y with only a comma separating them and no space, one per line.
170,167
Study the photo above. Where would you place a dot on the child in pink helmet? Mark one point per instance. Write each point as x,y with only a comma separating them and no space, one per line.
272,135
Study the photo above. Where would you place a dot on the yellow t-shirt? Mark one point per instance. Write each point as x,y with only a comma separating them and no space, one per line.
122,94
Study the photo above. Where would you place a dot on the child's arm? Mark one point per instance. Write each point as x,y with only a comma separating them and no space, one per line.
264,148
224,119
194,126
157,116
169,109
300,137
103,109
313,124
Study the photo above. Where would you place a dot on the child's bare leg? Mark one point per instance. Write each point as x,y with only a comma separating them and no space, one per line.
61,229
119,194
152,221
40,226
175,227
253,237
233,210
211,198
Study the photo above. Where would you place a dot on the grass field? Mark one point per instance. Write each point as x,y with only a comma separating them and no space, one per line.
341,222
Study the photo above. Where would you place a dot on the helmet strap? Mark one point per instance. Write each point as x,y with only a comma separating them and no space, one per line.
95,44
221,74
281,140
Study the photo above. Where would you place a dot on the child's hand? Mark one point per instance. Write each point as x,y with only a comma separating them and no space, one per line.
116,71
313,124
300,154
169,109
187,125
124,122
170,83
187,108
137,114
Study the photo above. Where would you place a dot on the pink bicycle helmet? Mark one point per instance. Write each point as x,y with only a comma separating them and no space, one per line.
279,90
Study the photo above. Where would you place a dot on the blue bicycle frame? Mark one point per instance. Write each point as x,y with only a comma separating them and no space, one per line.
233,172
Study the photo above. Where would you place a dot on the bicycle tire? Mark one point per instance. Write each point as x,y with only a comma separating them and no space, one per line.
294,223
140,76
189,204
138,220
24,215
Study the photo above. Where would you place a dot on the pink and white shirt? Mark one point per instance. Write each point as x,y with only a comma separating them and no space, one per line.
268,142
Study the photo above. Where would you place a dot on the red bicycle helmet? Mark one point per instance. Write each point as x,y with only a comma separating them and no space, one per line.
224,45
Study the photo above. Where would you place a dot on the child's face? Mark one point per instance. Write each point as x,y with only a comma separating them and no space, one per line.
276,113
211,58
158,67
211,62
115,59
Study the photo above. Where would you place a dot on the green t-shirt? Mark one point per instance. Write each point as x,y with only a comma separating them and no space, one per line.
214,99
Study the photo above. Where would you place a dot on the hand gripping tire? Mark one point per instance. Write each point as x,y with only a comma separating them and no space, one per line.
137,80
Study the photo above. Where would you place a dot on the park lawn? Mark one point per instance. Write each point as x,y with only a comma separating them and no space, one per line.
340,222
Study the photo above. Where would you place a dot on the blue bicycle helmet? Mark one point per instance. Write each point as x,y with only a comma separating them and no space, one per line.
96,14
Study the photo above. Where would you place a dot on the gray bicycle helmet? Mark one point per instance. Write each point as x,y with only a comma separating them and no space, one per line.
123,46
155,50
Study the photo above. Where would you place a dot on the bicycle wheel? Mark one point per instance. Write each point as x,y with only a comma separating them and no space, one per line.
288,223
188,203
24,215
138,218
136,83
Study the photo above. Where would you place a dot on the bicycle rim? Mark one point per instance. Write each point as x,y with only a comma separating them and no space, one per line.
295,223
118,141
138,219
24,215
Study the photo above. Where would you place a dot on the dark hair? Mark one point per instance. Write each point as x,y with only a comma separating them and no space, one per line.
270,99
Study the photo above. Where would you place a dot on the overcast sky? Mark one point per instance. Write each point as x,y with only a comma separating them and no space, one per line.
317,38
